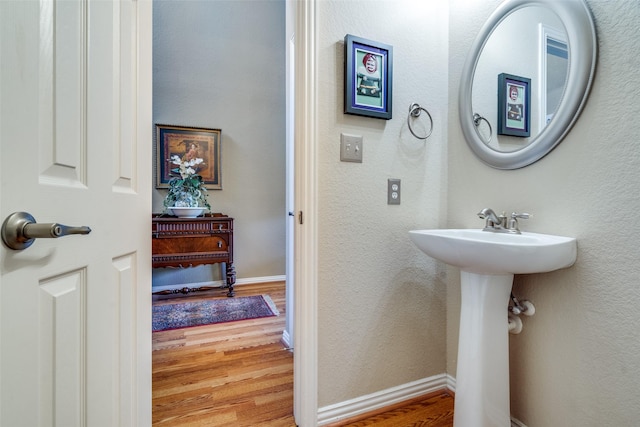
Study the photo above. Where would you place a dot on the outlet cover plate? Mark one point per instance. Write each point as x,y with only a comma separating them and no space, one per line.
350,148
393,191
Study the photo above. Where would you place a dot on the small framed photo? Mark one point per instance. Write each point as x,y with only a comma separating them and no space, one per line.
188,143
514,105
368,79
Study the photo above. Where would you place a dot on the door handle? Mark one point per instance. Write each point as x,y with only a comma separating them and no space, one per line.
20,229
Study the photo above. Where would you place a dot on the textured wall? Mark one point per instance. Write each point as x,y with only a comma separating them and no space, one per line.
221,64
576,362
381,301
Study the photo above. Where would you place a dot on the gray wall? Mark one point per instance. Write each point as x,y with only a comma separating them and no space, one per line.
221,64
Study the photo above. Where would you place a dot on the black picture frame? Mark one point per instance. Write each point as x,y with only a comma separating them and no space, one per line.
514,105
185,141
368,78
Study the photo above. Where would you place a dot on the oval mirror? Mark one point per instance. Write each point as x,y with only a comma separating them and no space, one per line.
526,79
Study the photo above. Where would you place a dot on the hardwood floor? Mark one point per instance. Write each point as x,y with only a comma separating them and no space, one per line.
240,374
231,374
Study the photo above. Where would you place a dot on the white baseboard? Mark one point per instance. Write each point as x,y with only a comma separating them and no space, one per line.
265,279
286,339
381,399
220,283
451,385
517,423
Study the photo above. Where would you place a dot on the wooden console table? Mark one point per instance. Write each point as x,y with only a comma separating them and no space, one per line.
186,242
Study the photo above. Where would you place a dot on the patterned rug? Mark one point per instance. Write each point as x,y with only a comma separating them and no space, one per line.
188,314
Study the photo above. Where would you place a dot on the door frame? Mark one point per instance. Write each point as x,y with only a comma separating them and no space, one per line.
288,335
305,362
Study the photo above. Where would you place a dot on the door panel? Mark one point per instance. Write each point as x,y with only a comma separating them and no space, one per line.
62,309
61,92
124,268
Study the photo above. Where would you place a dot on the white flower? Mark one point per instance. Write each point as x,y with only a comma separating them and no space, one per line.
183,190
186,168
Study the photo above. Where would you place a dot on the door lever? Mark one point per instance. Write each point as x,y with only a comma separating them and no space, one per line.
20,229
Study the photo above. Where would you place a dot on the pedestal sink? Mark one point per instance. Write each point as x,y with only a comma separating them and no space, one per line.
487,262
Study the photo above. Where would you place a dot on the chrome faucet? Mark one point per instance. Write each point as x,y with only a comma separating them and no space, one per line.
494,222
501,223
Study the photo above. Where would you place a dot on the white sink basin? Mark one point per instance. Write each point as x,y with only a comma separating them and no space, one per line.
487,263
485,252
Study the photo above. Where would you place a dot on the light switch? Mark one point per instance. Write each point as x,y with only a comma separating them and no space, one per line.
350,148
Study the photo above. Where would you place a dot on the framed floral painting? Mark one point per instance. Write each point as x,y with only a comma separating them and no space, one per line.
199,145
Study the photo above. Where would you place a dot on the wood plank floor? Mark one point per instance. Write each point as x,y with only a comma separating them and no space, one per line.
240,374
230,374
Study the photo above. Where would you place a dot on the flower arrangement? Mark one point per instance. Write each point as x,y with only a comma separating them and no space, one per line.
186,188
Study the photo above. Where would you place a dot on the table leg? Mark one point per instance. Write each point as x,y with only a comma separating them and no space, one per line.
230,273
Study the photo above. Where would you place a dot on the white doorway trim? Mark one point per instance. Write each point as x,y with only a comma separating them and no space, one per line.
305,362
290,18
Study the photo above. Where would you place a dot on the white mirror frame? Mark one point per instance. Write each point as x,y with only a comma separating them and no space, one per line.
581,35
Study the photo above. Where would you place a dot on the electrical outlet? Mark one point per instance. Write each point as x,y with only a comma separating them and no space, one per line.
350,148
393,191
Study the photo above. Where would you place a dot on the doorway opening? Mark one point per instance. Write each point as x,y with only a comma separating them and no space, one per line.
241,186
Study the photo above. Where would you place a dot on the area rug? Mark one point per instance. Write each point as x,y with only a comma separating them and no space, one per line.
188,314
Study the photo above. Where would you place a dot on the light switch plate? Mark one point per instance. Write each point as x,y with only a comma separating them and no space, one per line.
393,191
350,148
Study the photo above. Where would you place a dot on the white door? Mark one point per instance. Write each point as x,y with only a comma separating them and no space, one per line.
75,149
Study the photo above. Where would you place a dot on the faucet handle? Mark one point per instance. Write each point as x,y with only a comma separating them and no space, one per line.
512,226
523,215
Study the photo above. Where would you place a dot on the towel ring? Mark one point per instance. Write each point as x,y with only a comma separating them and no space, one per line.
476,121
414,111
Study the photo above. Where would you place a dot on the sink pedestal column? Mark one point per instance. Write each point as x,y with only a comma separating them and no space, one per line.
482,379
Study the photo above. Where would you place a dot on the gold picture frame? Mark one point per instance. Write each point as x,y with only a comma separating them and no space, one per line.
188,142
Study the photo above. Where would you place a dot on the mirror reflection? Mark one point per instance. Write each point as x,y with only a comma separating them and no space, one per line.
530,43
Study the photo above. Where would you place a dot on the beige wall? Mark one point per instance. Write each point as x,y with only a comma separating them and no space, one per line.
221,64
577,362
381,303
